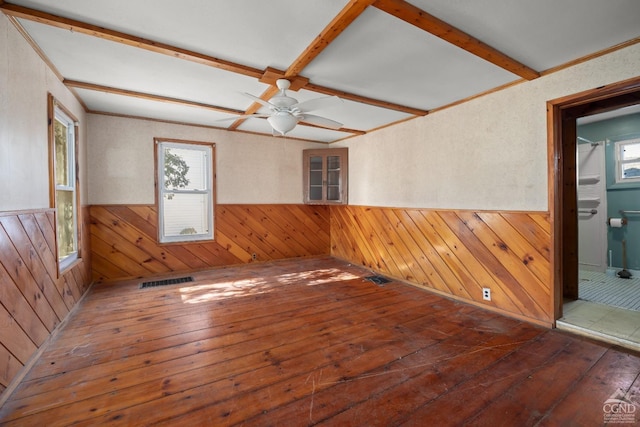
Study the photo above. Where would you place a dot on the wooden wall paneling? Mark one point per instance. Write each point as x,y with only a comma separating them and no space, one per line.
455,278
314,219
29,256
379,244
543,221
401,244
34,297
272,232
70,281
454,270
110,230
523,249
41,245
103,268
481,275
237,219
236,244
507,282
441,271
454,252
9,367
143,218
14,338
297,230
533,232
349,240
234,235
523,282
112,253
125,239
23,279
22,312
211,254
46,221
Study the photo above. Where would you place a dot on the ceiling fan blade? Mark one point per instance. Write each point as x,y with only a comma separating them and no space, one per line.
318,103
259,100
320,121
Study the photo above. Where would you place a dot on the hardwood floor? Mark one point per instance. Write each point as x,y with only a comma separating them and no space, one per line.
306,342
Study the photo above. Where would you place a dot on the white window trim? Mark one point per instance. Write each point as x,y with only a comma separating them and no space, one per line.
162,191
620,162
61,116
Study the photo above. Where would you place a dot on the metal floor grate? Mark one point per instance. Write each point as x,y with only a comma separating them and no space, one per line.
378,280
166,282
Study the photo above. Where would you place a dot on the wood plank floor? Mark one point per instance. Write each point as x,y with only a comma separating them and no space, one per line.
305,342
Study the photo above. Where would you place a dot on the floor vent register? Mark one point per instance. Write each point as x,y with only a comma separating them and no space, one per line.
378,280
156,283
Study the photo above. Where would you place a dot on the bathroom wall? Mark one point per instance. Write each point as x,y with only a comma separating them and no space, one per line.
619,196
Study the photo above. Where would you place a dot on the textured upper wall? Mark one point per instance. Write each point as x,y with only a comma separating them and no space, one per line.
486,154
25,81
250,168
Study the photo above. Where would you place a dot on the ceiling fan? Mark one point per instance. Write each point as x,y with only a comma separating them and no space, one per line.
286,111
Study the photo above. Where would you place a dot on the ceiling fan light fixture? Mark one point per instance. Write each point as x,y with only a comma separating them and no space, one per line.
282,122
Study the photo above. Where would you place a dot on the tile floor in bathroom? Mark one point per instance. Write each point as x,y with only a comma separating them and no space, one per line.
601,321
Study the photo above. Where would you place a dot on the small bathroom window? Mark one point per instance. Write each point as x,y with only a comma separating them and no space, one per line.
628,161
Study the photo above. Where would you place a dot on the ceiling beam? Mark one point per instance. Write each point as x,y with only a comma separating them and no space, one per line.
429,23
365,100
347,15
128,39
147,96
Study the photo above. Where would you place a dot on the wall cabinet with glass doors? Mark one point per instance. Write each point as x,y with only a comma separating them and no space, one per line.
325,176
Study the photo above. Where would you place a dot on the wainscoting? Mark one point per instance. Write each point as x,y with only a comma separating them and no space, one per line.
124,239
34,299
455,253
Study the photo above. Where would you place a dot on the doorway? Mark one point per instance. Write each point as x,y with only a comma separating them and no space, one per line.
564,206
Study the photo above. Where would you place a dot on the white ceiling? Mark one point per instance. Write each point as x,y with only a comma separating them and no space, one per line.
376,59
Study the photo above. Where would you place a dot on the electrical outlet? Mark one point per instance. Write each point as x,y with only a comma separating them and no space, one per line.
254,257
486,294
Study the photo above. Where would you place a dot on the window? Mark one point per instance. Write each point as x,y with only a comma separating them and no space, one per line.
628,161
185,176
64,196
325,176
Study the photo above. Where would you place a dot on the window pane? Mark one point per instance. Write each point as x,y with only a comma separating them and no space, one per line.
315,163
333,177
315,177
333,193
185,169
630,151
631,170
333,163
315,193
186,214
62,155
65,224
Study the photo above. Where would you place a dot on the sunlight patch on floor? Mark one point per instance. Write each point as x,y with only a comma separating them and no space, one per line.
204,292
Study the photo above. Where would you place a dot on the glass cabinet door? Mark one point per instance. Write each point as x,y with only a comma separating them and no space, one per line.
333,178
315,178
325,176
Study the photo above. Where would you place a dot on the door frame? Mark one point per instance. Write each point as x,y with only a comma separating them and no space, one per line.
562,114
